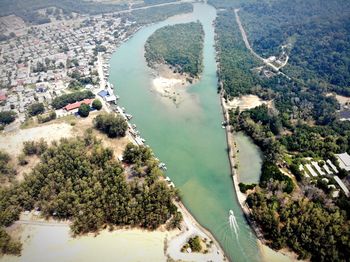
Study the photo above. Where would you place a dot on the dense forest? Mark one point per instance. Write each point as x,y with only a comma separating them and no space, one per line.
318,32
27,10
159,13
234,58
300,123
23,8
80,180
284,213
180,46
315,229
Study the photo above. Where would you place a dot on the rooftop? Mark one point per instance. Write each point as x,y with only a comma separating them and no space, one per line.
77,104
344,161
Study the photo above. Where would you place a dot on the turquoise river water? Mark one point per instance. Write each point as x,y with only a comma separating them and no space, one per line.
188,137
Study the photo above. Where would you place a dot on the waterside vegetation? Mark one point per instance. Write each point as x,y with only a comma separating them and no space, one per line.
179,46
80,180
293,210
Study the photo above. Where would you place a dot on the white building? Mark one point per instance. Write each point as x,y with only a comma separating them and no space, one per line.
344,161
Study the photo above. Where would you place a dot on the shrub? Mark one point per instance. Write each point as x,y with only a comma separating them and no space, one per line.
47,117
244,187
34,148
195,244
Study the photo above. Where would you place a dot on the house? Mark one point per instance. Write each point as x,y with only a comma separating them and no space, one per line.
344,161
3,96
76,105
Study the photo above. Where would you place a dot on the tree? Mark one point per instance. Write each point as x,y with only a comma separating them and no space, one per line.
36,109
97,104
7,117
136,154
113,125
84,110
75,85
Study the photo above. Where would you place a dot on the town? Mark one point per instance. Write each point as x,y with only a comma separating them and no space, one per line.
48,60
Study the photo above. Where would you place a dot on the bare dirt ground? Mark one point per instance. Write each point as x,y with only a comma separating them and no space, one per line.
12,142
247,102
343,100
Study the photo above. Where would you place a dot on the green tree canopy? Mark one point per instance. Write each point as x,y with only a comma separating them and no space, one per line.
7,117
36,109
84,110
97,104
111,124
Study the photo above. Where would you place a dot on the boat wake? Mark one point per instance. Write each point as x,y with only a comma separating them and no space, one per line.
233,223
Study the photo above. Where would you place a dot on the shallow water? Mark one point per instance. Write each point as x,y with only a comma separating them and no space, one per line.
188,137
249,159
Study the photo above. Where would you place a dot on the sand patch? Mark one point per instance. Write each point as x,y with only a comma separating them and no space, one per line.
55,244
247,102
343,100
170,84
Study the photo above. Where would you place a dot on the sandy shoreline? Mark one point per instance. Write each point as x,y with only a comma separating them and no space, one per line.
55,244
51,240
171,85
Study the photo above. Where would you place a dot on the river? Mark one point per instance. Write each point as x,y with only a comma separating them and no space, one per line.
188,137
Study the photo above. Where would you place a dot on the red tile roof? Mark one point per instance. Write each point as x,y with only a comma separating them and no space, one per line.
77,104
2,96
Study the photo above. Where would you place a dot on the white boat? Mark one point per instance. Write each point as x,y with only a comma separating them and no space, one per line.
128,116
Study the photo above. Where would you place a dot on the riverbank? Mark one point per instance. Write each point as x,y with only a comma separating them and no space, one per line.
269,255
38,234
52,241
